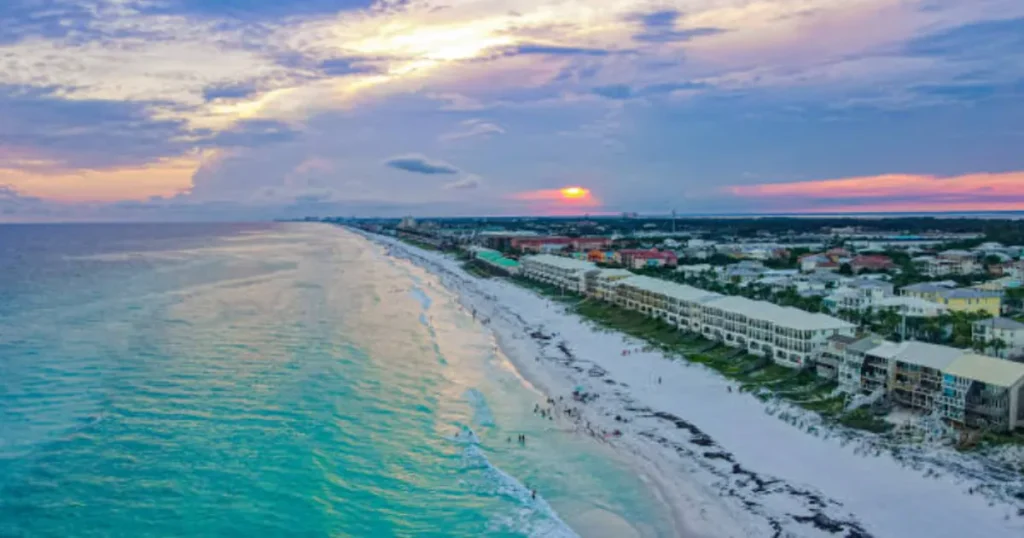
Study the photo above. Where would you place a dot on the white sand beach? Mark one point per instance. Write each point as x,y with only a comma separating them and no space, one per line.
723,460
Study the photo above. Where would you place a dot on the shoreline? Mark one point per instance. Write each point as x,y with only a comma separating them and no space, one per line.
514,341
664,492
735,465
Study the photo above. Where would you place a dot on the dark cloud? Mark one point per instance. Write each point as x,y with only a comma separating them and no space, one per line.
24,18
72,21
253,10
958,92
660,19
330,67
614,91
676,35
973,41
624,91
419,164
102,133
560,51
86,133
344,66
232,91
13,203
660,27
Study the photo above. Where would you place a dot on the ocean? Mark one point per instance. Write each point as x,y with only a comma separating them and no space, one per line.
272,380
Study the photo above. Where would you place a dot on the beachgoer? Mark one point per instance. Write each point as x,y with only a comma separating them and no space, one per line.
533,494
659,380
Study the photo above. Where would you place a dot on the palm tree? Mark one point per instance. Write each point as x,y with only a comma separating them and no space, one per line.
889,321
866,315
998,345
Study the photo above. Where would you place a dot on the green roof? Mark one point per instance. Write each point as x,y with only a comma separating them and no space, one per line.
496,258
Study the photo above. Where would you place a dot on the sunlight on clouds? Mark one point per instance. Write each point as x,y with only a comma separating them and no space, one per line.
165,177
896,192
471,54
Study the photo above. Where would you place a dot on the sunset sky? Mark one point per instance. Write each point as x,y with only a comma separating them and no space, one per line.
251,109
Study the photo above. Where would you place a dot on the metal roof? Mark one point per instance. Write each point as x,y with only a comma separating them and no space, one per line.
924,287
1001,323
667,288
612,273
788,317
988,370
865,344
885,350
968,294
561,262
928,355
910,302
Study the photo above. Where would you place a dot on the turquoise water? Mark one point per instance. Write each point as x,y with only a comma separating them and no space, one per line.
271,380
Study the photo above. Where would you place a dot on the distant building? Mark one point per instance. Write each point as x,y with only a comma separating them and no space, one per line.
859,295
639,259
695,270
912,307
554,244
817,262
952,262
872,263
957,299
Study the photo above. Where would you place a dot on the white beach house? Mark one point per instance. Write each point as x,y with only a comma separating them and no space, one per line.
1002,337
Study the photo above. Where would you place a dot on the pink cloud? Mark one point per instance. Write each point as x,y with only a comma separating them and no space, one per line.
896,192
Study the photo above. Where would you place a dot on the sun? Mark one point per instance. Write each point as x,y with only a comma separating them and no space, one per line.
574,192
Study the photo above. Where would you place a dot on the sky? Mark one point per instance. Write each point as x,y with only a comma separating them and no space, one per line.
118,110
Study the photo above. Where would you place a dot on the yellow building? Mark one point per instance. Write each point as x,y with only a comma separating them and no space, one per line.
963,300
958,299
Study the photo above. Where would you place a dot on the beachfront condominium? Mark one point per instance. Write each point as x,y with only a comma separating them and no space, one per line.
916,373
601,283
788,336
846,355
876,370
983,392
567,274
677,304
964,388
